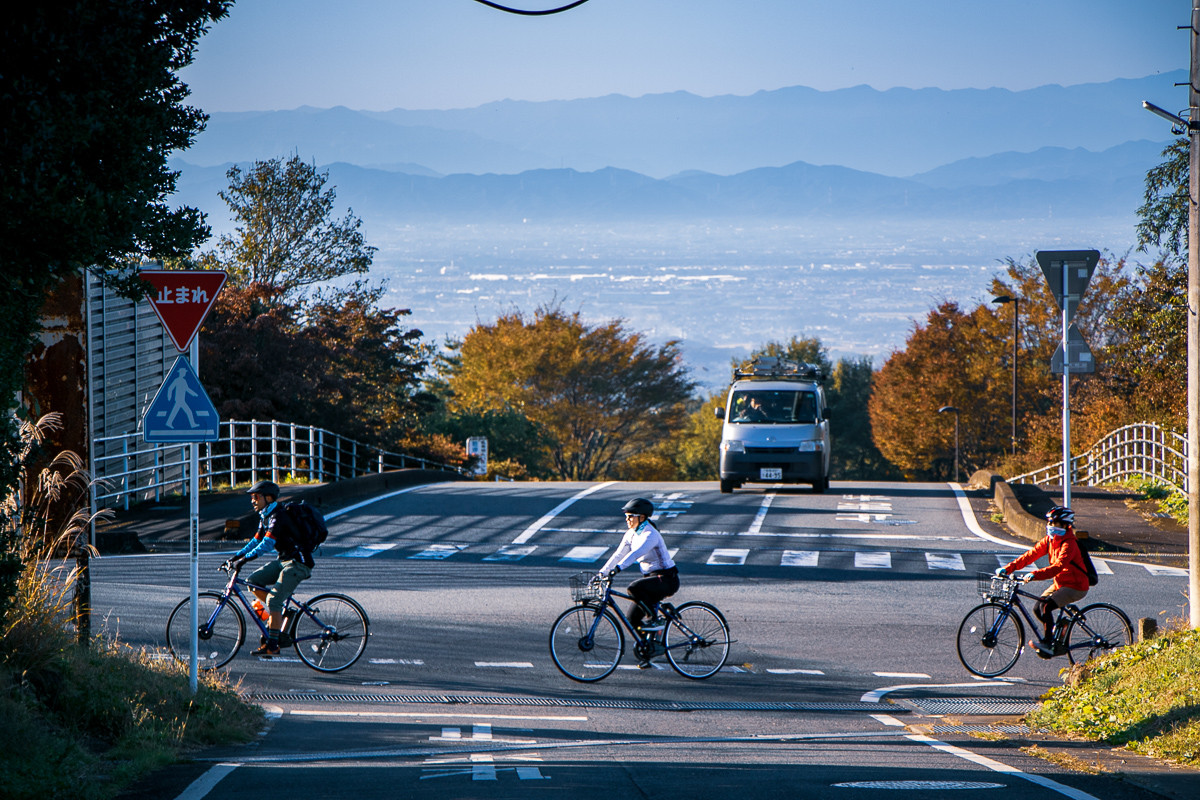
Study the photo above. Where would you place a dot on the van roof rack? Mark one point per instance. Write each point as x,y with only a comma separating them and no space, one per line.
775,368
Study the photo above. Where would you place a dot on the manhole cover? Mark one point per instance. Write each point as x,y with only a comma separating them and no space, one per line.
970,705
918,785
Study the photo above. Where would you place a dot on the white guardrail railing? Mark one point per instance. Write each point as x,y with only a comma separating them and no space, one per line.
130,470
1141,450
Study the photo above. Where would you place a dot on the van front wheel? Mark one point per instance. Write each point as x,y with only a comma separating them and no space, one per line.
821,485
727,486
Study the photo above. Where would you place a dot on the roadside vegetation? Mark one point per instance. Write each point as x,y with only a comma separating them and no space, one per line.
85,719
1145,697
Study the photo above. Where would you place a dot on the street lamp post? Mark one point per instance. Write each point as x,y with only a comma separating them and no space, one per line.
943,410
1016,304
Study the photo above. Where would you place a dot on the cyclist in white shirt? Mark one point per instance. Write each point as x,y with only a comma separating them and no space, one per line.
644,544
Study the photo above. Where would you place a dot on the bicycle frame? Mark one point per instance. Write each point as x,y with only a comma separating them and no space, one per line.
234,589
607,602
1069,612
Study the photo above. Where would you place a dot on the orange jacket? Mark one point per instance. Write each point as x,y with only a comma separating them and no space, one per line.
1066,562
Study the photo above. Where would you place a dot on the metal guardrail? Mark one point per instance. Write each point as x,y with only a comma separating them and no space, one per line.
131,470
1140,450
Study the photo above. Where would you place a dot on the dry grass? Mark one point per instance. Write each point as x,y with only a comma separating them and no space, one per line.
81,722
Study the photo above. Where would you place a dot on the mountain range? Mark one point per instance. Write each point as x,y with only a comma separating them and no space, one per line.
902,153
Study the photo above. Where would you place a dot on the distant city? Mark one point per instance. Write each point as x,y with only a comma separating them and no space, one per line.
720,289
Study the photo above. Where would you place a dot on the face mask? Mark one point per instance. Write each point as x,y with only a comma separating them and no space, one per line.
1053,531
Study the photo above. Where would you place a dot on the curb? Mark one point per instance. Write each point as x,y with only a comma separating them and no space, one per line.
1016,518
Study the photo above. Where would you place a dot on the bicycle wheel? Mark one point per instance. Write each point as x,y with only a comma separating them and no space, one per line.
330,632
990,639
1098,629
220,634
697,640
586,644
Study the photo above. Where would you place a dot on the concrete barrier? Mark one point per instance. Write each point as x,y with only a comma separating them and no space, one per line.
1018,520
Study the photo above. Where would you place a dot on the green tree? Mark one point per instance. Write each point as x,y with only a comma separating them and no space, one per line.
598,394
285,234
854,455
91,108
1163,215
279,345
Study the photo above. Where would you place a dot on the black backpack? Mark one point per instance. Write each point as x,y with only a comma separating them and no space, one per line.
1088,566
311,531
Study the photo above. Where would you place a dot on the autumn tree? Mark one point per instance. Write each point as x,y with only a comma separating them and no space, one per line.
91,108
597,393
951,360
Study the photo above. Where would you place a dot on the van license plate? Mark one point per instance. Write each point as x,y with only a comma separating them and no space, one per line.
770,474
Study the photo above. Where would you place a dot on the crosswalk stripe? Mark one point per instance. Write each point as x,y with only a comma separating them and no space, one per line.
511,552
945,561
728,555
439,551
873,560
367,550
799,558
1158,570
586,555
1102,567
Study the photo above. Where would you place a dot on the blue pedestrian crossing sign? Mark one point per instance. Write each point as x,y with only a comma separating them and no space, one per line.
181,411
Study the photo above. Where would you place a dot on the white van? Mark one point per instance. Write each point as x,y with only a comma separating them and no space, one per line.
776,426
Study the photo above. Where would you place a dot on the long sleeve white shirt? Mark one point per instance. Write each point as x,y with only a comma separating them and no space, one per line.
643,544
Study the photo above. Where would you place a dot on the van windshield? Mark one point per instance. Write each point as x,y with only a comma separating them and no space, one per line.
774,406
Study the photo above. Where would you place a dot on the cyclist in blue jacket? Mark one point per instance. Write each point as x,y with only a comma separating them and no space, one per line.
276,535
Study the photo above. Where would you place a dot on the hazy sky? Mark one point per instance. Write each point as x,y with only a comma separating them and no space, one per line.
424,54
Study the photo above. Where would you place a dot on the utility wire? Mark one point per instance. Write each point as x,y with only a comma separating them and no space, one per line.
523,12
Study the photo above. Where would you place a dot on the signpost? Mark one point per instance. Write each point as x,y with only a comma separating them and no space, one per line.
1068,272
181,412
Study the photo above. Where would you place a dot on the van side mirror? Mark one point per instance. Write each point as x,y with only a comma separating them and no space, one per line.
719,411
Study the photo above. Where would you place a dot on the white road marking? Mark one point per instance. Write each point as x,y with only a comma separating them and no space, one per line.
795,672
437,552
727,556
584,555
504,664
899,674
756,525
511,552
367,550
528,533
996,766
1102,567
964,508
799,558
1159,571
945,561
873,560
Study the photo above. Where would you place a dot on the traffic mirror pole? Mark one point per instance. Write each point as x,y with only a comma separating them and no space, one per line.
1193,323
1066,395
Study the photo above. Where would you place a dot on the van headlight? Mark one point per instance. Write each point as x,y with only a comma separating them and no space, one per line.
733,446
815,446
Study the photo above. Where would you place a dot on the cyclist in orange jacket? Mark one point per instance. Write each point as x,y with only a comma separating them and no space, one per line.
1066,568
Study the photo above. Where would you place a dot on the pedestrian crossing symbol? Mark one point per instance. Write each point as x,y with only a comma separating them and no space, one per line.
181,411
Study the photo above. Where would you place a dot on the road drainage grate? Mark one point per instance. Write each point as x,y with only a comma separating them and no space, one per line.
1017,729
558,702
969,705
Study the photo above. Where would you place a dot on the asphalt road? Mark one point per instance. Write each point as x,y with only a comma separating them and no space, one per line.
844,607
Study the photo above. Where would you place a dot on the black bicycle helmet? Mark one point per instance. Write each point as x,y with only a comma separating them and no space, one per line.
640,506
265,488
1060,515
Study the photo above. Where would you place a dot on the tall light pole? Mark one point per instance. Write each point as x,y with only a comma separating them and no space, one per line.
1191,126
1016,304
943,410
